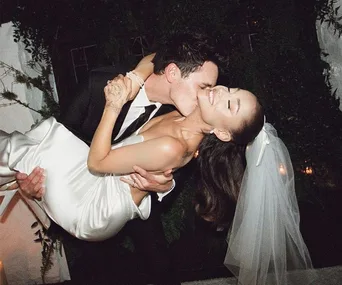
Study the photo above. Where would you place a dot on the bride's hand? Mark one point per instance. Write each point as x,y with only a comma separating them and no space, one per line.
118,91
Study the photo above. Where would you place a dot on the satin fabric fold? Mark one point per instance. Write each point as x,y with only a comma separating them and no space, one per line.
87,205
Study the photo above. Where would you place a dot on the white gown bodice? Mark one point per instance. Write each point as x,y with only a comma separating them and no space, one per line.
87,205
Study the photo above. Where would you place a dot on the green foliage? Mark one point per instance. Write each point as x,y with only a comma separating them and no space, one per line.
328,12
33,43
41,82
173,219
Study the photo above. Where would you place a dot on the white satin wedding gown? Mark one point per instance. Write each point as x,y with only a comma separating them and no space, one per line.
87,205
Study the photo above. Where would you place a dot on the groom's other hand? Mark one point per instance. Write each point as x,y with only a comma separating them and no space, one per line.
161,182
32,185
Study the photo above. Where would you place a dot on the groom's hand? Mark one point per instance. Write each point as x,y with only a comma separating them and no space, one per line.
143,180
32,185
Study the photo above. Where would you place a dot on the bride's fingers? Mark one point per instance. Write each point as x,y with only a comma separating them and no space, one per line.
119,82
119,76
115,79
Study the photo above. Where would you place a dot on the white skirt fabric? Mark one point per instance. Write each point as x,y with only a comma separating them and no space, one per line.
89,206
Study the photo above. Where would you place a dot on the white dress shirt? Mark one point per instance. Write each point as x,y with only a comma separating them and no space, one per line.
136,109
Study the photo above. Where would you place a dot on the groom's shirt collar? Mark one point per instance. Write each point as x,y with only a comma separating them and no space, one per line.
142,100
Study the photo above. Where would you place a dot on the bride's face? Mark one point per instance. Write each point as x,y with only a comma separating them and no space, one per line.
226,109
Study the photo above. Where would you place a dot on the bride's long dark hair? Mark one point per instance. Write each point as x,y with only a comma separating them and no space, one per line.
220,169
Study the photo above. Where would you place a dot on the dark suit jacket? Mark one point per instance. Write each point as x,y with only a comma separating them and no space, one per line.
84,114
82,118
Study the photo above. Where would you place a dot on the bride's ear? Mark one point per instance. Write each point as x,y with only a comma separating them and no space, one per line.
223,135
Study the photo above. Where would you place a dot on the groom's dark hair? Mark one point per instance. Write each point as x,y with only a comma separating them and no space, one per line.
188,51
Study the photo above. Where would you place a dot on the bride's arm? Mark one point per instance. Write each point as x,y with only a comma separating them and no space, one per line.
145,67
156,155
140,73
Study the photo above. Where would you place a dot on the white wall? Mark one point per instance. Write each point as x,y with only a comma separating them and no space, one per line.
20,255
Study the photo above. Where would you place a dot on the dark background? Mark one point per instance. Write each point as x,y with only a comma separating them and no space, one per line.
273,51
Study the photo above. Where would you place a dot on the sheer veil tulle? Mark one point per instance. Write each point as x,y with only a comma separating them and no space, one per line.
265,245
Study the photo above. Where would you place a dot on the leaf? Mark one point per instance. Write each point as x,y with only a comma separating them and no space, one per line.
20,78
336,9
9,95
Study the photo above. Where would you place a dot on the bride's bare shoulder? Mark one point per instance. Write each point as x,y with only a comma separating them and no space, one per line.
172,145
172,149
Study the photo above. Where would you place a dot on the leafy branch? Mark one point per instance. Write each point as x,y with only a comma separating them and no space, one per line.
34,43
328,12
41,82
50,244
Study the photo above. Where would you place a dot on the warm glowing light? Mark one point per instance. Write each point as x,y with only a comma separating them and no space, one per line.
308,170
282,169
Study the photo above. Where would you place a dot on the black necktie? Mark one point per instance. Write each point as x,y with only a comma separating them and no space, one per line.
120,119
136,124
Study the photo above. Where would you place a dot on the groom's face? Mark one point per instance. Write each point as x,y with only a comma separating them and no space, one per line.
185,90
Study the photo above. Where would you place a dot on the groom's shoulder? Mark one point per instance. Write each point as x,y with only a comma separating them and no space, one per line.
112,70
99,76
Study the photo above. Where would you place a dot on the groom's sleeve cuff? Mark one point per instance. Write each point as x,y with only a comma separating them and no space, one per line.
161,195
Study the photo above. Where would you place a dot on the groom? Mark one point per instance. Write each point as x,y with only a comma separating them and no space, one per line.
184,67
